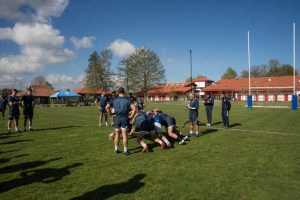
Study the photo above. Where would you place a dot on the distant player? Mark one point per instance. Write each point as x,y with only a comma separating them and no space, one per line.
14,112
140,103
124,109
193,107
3,105
209,105
101,103
226,105
132,98
28,106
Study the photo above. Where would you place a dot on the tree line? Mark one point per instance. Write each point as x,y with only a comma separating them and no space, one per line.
138,72
273,68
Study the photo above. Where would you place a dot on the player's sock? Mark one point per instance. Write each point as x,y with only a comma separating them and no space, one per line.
116,148
125,149
106,124
191,132
166,141
160,142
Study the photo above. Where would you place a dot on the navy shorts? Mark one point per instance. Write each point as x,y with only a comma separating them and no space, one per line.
28,113
147,126
193,118
171,121
121,122
103,110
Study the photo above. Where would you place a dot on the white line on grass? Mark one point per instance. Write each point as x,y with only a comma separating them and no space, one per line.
230,129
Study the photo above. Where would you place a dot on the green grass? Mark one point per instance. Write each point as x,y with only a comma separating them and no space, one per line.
68,156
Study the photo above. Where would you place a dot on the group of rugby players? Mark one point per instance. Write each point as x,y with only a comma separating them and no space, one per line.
128,117
13,102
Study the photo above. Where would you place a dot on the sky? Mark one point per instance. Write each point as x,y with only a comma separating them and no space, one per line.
55,38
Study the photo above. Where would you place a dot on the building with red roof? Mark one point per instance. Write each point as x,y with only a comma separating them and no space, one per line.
201,83
90,93
41,93
278,88
170,91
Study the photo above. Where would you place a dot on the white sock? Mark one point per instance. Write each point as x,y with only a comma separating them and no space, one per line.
125,149
160,142
17,128
197,132
116,148
166,141
191,132
144,145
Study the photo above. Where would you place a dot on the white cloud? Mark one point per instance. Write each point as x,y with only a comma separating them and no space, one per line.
170,61
40,45
85,42
62,81
122,48
32,10
39,42
12,81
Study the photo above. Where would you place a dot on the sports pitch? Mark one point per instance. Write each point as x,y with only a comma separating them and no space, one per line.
69,157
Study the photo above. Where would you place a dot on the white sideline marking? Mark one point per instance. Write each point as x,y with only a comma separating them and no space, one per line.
229,129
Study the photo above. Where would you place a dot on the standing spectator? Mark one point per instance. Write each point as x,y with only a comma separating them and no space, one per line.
3,104
193,107
132,98
226,105
209,104
140,103
14,112
28,106
101,103
124,109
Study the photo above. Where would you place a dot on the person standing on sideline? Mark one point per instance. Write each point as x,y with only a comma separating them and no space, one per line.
193,107
3,104
209,104
28,106
101,103
14,112
226,105
124,109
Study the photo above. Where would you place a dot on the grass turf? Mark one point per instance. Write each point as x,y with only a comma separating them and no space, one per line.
69,157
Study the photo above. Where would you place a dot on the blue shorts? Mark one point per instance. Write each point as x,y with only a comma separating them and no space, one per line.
171,121
193,118
103,110
146,126
121,122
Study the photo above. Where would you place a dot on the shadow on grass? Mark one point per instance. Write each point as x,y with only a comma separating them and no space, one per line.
207,131
1,152
54,128
107,191
47,175
9,136
5,160
235,124
15,141
216,123
24,166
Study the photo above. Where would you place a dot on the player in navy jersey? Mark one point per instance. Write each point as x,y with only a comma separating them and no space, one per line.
124,109
170,123
143,125
157,125
28,106
3,105
101,103
193,107
14,112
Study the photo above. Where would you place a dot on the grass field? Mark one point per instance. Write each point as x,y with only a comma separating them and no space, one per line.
69,157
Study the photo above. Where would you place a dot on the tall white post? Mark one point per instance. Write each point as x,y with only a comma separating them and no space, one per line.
294,55
249,63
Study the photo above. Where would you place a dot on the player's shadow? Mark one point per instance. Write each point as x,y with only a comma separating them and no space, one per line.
9,151
216,123
15,142
104,192
234,125
5,160
208,131
24,166
55,128
47,175
9,136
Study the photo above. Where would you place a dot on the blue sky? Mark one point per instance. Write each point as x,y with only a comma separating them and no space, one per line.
55,39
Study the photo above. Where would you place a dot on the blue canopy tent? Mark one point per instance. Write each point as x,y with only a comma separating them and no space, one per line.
65,97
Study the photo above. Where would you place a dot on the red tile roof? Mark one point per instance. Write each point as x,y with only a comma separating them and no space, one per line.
283,83
38,91
202,79
179,88
86,90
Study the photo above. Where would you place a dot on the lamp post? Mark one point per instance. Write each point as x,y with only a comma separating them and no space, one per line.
191,70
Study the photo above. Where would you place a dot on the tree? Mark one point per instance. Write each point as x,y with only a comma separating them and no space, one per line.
142,70
40,81
229,74
198,76
256,71
98,71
